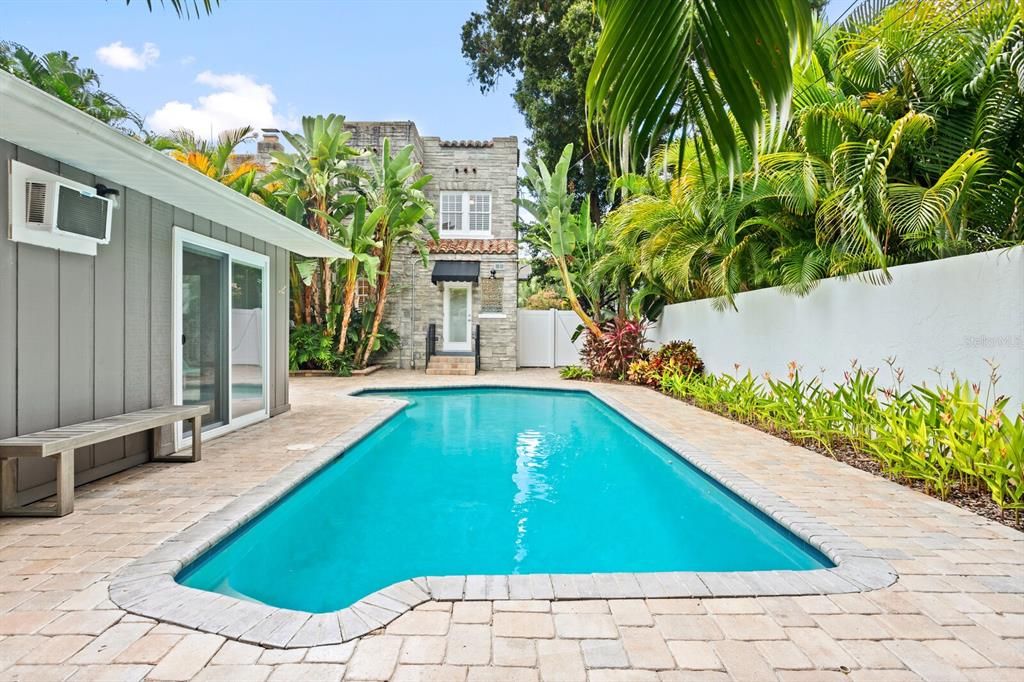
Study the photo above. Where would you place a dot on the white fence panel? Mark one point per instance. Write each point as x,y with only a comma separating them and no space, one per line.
536,338
567,352
953,314
545,338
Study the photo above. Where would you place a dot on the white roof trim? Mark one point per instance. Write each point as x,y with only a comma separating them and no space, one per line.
32,119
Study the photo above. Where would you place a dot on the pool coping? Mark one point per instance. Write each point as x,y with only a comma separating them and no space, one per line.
147,587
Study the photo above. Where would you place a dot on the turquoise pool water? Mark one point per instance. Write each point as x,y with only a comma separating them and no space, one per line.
493,481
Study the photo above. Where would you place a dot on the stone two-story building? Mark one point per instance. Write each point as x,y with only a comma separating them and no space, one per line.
470,281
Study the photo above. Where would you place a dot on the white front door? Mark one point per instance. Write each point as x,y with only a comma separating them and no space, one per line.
458,316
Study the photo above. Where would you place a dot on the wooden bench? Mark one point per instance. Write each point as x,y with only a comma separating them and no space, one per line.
61,443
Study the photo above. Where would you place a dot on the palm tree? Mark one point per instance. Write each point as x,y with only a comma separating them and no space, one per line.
310,184
356,234
213,158
184,8
552,207
394,192
664,66
876,168
58,74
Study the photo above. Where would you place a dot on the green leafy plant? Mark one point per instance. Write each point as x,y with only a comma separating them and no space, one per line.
393,188
559,230
576,372
676,357
311,349
951,438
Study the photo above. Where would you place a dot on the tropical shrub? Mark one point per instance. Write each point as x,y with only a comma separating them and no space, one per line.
311,349
545,299
903,146
620,344
951,438
576,372
676,357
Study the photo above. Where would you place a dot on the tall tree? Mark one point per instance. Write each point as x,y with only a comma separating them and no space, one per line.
311,184
356,234
547,46
394,193
558,228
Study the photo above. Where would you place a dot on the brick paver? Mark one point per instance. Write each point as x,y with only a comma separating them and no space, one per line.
956,613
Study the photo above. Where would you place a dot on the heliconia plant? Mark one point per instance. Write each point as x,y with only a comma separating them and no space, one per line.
948,438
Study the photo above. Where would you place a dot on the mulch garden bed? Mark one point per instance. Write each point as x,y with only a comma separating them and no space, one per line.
976,501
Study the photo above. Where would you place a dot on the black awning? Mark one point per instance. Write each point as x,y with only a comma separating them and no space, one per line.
455,271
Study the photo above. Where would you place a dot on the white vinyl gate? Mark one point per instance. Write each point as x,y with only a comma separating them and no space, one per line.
545,338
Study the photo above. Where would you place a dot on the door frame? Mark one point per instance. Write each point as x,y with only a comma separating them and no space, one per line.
446,344
234,253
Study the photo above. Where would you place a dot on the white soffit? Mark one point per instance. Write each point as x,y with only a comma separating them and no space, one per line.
37,121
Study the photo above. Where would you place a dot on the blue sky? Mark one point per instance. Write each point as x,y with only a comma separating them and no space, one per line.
268,62
274,61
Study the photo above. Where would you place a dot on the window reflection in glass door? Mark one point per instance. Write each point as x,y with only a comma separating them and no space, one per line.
248,394
204,326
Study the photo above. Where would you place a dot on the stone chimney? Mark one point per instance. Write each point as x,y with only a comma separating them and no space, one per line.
269,142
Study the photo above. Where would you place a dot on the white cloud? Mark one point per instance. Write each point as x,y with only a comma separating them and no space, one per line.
121,56
237,100
185,61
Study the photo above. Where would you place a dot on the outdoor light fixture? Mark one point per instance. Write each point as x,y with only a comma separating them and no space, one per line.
108,193
494,273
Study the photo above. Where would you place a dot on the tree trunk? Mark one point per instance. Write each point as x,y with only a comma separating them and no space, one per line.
307,301
378,315
574,302
350,294
295,293
326,285
623,300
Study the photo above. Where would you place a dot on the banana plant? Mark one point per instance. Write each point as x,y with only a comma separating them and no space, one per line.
552,207
394,187
356,234
310,184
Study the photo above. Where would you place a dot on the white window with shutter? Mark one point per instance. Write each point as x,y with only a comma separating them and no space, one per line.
465,214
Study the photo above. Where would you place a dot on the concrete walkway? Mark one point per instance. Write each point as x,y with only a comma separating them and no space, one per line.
956,613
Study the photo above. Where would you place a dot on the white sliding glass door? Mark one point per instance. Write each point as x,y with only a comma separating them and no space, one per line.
221,332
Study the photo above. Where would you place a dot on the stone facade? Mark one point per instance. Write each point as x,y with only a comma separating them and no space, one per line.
414,302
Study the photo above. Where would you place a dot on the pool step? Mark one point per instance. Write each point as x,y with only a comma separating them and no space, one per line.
464,365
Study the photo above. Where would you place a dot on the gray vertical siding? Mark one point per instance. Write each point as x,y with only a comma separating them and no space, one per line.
8,317
83,337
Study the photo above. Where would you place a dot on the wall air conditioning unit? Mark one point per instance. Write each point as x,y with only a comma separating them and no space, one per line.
53,212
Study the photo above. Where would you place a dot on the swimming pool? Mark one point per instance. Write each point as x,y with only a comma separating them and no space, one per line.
492,481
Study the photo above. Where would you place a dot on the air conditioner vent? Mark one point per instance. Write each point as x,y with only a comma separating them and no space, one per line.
35,202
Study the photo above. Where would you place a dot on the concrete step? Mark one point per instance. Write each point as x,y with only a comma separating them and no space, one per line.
453,360
451,371
461,365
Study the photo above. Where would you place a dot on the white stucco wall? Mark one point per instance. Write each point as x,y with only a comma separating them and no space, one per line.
952,314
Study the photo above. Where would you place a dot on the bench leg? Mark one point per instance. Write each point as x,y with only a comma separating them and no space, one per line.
65,489
65,483
8,485
197,445
154,443
197,438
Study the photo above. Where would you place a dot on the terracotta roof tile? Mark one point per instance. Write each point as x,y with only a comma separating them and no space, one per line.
491,247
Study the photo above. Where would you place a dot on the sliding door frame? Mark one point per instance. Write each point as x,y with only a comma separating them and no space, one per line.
183,236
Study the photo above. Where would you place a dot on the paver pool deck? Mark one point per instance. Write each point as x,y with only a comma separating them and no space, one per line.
956,612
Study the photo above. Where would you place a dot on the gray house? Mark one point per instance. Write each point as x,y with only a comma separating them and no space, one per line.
465,299
128,281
